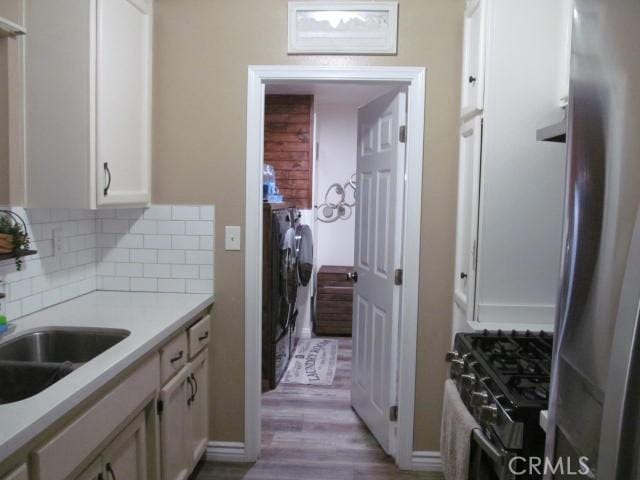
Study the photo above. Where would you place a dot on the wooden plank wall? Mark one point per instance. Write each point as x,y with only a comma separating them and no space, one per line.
288,145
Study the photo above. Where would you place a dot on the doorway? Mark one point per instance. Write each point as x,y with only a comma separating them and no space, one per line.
410,80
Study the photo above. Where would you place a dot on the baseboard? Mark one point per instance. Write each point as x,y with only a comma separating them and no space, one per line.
425,461
226,452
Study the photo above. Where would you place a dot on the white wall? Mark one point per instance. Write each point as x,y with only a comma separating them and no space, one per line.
336,137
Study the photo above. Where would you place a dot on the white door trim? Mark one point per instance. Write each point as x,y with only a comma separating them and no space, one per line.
258,77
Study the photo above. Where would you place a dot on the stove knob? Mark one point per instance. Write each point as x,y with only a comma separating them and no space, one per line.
468,380
452,355
489,414
478,399
457,366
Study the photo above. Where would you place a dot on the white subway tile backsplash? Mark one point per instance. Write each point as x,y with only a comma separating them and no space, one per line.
171,285
199,257
206,243
199,286
199,228
185,271
206,272
106,240
106,269
144,256
129,269
114,226
144,284
176,252
171,227
157,241
120,255
171,256
158,212
130,213
163,248
182,212
185,242
129,240
206,213
144,226
115,283
156,270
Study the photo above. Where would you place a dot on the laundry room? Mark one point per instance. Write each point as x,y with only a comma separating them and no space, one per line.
310,213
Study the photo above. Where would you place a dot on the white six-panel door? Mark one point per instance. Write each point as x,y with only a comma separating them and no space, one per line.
380,177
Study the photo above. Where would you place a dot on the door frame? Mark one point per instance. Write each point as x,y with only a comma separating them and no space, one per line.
414,78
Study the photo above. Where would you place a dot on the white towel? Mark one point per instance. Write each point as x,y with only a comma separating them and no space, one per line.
455,435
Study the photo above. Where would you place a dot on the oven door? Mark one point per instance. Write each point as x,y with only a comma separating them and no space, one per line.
488,461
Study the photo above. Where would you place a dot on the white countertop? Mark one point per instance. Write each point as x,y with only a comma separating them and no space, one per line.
150,317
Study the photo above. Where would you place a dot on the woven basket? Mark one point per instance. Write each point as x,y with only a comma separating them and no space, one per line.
6,243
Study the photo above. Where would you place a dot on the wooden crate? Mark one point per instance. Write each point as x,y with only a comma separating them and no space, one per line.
334,301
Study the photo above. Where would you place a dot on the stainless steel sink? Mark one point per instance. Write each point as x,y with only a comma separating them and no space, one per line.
32,362
57,345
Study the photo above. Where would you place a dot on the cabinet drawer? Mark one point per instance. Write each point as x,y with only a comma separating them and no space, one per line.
173,356
58,458
199,336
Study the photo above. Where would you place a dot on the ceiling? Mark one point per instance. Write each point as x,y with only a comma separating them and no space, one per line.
332,93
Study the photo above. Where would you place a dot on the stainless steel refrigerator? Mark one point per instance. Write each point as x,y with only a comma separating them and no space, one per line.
595,399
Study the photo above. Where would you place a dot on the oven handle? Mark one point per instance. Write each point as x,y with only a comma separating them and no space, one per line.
482,441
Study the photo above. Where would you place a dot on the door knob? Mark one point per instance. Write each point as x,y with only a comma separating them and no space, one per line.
353,276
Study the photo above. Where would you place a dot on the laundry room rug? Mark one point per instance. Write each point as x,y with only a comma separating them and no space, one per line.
313,363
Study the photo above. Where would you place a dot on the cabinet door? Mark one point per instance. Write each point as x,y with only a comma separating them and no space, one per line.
565,51
92,472
19,473
199,408
123,101
467,221
473,58
175,426
126,456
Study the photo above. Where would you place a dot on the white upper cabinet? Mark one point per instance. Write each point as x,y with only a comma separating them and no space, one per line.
467,223
473,58
566,13
510,211
88,102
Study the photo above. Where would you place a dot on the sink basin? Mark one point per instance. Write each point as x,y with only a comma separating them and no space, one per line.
32,362
57,345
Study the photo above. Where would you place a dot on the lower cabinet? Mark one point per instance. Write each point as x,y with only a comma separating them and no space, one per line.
124,458
199,412
184,419
175,401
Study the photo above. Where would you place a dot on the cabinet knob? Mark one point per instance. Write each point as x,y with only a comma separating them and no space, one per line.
489,414
472,79
463,275
479,398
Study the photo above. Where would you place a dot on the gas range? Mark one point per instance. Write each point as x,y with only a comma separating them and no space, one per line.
503,379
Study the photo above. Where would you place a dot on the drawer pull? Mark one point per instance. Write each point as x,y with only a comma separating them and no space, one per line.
204,336
177,357
190,399
195,383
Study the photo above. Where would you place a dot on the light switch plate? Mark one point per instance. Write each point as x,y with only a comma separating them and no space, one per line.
232,238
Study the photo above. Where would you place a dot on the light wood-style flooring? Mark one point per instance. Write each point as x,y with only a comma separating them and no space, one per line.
311,433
